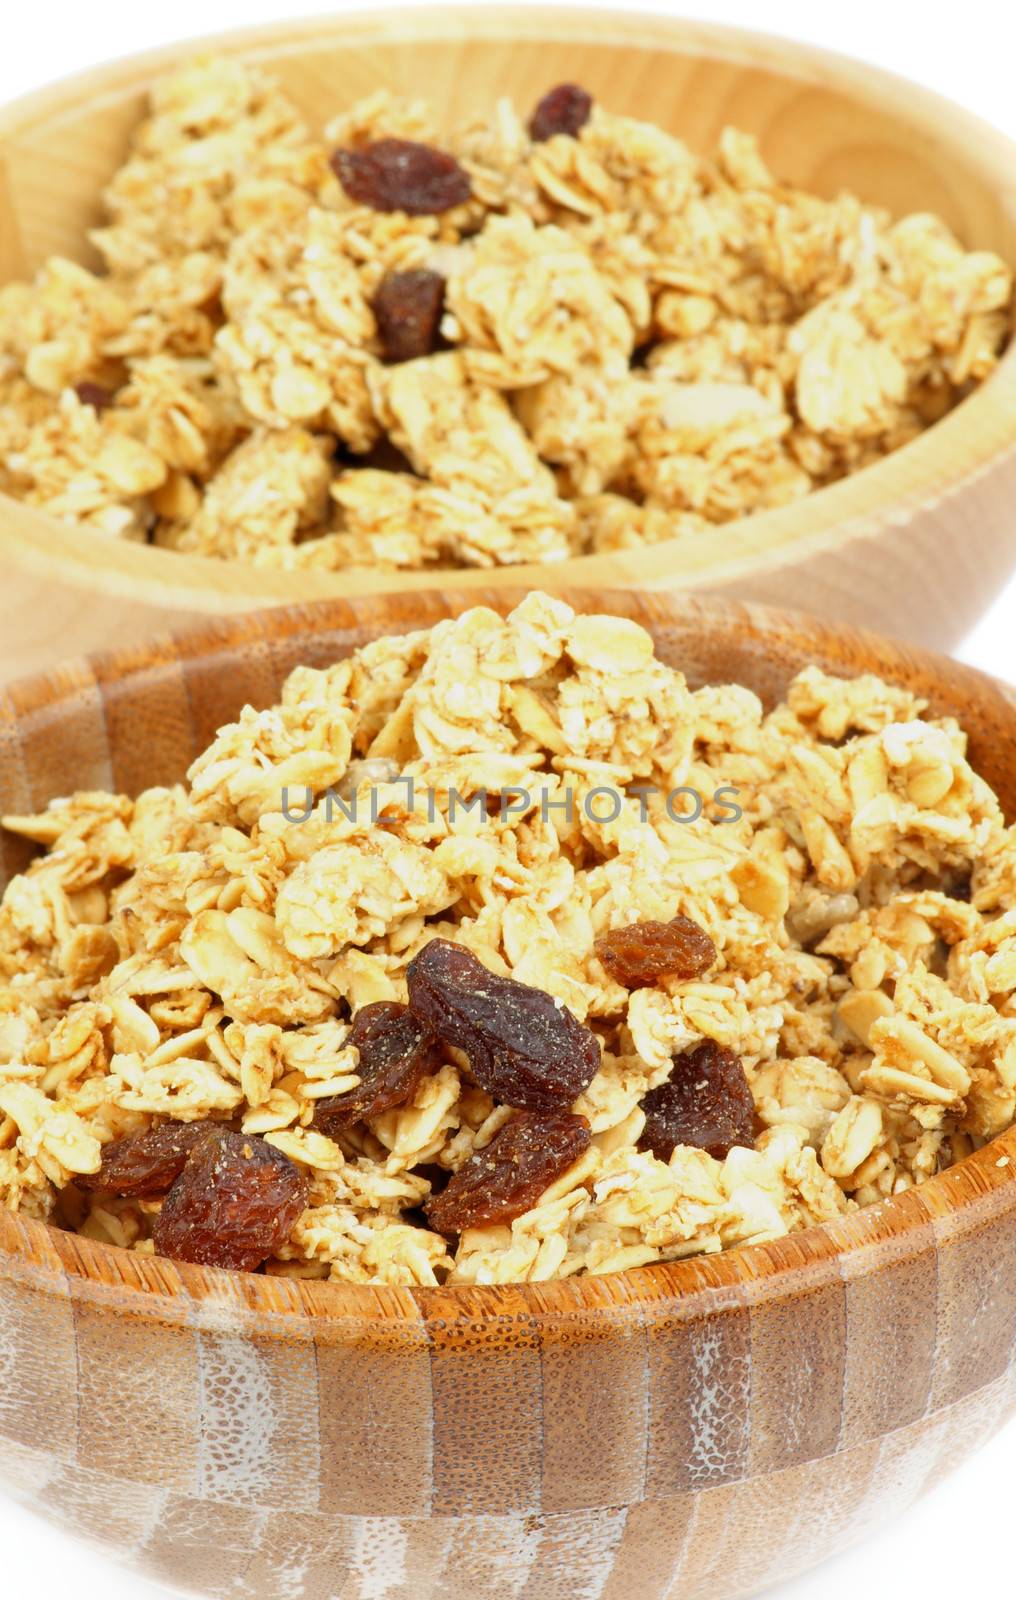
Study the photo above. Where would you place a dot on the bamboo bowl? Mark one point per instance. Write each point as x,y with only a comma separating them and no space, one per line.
917,544
699,1429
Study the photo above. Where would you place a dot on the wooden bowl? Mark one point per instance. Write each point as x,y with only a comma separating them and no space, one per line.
699,1429
917,544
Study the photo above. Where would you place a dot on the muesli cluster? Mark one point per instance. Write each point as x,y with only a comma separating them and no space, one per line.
396,345
689,975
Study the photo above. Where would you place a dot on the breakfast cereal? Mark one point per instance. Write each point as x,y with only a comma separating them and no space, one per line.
394,346
496,953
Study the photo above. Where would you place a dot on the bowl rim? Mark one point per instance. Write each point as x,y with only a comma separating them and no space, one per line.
964,1197
944,460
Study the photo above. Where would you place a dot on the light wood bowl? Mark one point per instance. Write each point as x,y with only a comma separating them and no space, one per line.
917,544
700,1429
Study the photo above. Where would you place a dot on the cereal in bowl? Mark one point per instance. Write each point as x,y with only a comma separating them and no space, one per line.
537,335
495,953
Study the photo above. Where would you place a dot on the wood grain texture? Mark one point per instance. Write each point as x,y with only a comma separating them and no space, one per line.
696,1429
917,544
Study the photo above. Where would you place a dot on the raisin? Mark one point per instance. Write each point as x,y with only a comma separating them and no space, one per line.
959,887
143,1164
396,1051
94,394
505,1179
524,1048
706,1102
407,307
383,457
565,109
642,953
401,175
233,1205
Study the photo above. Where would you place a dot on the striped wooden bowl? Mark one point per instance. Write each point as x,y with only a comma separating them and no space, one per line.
699,1429
917,544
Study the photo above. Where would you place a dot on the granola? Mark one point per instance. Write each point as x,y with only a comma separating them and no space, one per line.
530,337
387,929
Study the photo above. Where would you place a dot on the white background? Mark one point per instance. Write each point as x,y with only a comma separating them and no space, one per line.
958,1535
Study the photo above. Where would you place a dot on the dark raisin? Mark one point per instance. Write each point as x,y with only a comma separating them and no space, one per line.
233,1205
384,457
94,394
396,1051
644,952
506,1178
524,1047
959,887
565,109
407,307
144,1164
706,1102
401,175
